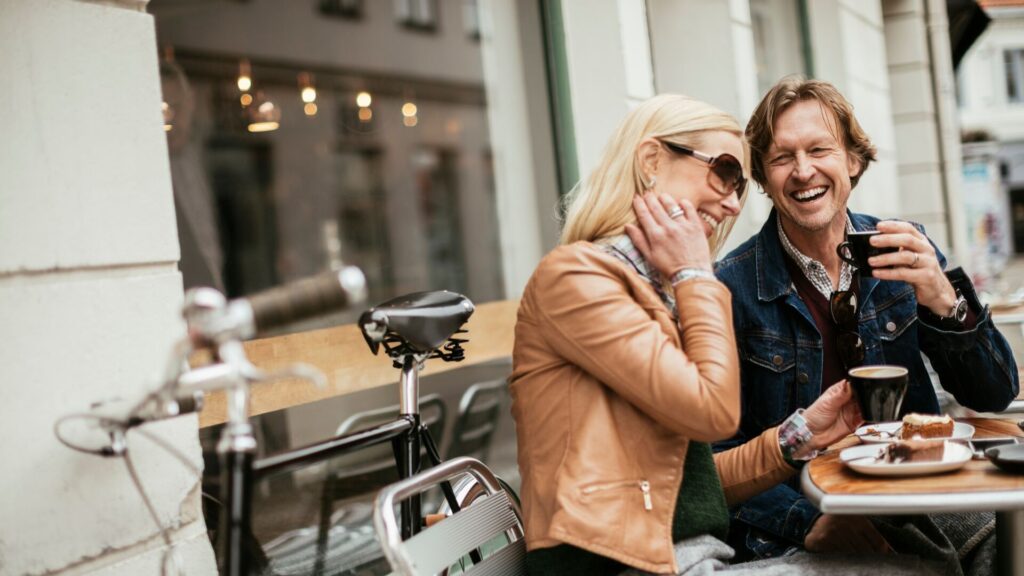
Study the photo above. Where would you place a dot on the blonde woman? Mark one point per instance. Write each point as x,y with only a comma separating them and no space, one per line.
625,364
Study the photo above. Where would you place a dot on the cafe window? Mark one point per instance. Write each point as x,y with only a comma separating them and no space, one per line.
779,44
351,9
417,14
1013,61
300,140
471,18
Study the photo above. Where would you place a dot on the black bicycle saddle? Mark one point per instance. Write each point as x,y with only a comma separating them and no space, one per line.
421,322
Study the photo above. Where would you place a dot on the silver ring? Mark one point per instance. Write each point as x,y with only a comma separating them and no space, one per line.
916,257
676,212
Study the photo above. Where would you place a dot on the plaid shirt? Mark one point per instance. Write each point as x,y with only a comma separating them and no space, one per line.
622,248
814,270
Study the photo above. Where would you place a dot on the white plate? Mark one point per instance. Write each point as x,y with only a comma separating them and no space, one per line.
864,459
961,431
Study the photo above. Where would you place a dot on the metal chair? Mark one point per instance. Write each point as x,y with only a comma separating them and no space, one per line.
360,473
1012,328
479,411
446,543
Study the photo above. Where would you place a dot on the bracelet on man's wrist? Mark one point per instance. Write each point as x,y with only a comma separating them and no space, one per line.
691,274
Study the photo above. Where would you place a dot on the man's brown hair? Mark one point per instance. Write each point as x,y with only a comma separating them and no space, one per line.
789,91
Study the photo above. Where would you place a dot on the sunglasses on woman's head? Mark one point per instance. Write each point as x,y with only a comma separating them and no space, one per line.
725,173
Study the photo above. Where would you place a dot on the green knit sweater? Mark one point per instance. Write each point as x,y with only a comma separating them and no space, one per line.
700,509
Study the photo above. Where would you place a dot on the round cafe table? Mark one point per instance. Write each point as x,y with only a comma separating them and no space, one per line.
978,486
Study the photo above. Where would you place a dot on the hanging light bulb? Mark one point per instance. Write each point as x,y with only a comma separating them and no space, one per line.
174,106
244,75
363,99
308,90
263,115
365,114
308,93
168,116
409,111
245,99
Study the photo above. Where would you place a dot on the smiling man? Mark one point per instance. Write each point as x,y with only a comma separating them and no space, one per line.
803,316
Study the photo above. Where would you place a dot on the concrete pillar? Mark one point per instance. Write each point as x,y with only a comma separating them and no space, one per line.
924,186
526,195
684,33
609,61
848,40
89,290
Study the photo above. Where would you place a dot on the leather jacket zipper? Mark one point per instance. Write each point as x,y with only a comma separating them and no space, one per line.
644,485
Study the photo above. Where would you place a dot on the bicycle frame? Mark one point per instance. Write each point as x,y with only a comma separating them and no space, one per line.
240,469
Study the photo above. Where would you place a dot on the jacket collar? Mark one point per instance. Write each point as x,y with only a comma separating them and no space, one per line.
773,279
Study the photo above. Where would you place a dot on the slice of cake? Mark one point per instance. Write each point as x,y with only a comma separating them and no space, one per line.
926,426
914,451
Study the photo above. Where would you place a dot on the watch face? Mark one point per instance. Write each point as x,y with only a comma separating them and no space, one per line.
961,310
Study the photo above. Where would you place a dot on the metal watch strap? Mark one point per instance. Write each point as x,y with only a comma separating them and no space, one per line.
957,314
690,274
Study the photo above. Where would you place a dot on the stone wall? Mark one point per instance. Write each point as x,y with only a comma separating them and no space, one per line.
89,290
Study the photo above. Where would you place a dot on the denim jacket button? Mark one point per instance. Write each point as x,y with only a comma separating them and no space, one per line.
802,378
890,326
777,360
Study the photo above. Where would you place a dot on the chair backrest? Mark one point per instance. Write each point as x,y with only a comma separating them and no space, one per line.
445,543
433,414
368,469
479,411
1012,327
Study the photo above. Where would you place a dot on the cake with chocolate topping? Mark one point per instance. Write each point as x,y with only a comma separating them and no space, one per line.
926,426
914,451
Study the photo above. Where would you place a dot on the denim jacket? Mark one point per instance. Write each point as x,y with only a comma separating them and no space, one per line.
780,355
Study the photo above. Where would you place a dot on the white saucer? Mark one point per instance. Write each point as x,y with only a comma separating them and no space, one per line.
865,459
885,432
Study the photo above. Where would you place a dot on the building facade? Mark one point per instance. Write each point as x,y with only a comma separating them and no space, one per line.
990,81
104,213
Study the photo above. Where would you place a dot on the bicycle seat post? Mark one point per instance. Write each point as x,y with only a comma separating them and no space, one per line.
409,442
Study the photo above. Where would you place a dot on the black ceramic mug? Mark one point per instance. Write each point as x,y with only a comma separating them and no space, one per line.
857,248
879,390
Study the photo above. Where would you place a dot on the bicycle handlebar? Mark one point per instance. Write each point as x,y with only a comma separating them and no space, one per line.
212,320
307,298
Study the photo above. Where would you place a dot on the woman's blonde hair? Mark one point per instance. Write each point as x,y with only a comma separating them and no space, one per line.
602,204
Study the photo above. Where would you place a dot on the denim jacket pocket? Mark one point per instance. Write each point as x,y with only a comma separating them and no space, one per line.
895,319
768,351
769,363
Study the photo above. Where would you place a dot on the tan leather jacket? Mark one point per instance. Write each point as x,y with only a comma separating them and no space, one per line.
607,392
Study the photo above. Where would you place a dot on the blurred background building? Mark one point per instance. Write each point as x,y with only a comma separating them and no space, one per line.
156,145
990,83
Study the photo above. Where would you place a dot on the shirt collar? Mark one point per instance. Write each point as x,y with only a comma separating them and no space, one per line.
622,248
813,269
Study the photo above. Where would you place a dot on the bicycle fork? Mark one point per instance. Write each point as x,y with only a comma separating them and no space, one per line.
237,449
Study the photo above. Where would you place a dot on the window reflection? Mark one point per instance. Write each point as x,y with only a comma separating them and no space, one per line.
779,44
352,139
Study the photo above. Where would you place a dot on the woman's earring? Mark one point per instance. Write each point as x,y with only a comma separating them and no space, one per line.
650,185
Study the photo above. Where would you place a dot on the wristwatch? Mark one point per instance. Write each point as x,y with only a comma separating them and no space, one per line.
957,314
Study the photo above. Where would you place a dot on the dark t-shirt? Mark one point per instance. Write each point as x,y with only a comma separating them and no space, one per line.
832,369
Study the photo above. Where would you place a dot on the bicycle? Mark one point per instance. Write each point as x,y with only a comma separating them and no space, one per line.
411,329
220,326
